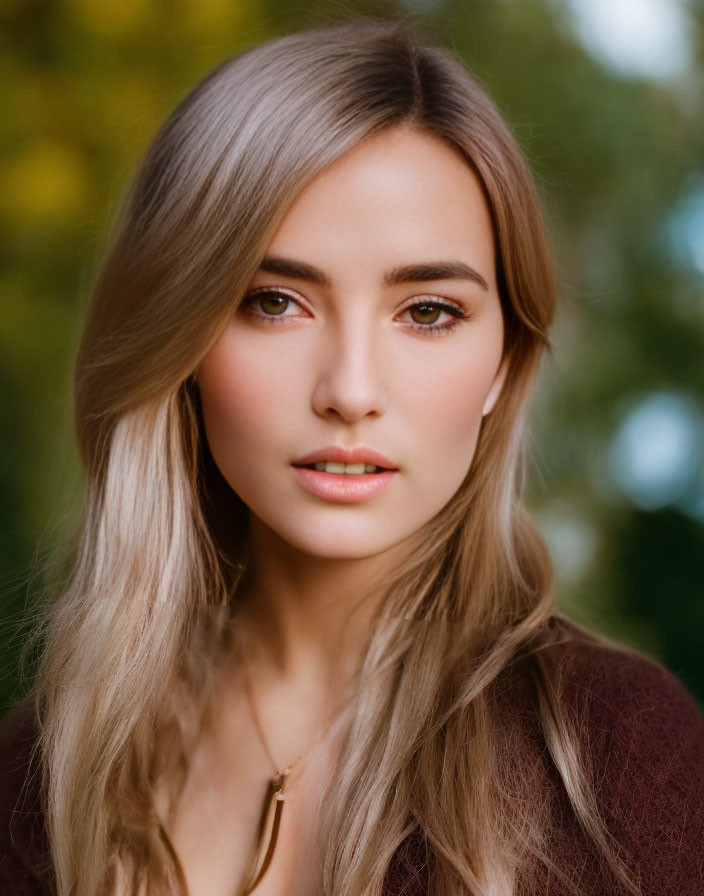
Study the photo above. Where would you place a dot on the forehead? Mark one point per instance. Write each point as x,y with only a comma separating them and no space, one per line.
395,196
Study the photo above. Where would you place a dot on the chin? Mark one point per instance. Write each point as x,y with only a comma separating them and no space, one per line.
334,544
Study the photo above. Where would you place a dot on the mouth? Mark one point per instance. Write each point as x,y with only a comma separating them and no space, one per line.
340,482
339,460
340,469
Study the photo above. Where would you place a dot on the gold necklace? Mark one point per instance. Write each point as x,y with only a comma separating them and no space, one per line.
272,807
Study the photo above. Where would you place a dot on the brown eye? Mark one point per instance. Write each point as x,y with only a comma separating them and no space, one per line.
425,314
273,303
268,304
424,317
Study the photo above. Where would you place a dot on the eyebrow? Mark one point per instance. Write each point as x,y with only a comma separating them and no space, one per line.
409,273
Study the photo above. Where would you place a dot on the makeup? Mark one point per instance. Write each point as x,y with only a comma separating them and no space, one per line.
331,407
342,487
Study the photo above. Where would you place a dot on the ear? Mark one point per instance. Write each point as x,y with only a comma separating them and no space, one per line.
496,388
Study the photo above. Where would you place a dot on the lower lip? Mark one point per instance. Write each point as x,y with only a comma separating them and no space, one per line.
344,487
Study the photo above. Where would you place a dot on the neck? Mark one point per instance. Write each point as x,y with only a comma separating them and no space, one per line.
307,617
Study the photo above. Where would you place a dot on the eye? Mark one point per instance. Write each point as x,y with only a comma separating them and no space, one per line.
426,314
272,303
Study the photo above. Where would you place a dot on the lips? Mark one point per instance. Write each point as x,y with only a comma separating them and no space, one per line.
345,489
338,454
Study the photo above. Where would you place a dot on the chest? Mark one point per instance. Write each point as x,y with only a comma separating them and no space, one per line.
214,828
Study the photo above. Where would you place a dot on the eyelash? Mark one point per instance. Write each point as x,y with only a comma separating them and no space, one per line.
432,329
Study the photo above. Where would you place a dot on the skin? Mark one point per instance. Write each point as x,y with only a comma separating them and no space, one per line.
343,364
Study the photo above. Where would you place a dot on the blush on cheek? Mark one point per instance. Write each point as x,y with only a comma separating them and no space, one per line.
245,414
457,419
459,404
232,398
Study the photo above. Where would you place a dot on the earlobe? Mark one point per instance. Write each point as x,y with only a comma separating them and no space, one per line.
496,388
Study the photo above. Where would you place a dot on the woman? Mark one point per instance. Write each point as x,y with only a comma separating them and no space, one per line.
308,643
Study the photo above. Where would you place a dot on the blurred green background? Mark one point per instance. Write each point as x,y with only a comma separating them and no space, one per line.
606,98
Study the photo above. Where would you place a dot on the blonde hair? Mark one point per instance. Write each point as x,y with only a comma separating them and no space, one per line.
133,638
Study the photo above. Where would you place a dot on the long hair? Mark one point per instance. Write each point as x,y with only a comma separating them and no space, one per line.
135,634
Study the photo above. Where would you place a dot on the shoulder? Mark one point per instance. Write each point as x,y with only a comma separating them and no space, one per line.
627,701
642,737
23,850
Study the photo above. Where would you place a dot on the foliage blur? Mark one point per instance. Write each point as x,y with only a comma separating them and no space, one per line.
618,422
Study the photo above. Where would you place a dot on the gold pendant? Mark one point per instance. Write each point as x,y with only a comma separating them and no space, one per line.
263,850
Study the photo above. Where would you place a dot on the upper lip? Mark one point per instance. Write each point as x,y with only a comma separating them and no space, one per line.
342,455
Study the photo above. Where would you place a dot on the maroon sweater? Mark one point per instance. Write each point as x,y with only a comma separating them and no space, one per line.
645,738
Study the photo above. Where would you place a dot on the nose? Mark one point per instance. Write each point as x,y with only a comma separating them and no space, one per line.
349,383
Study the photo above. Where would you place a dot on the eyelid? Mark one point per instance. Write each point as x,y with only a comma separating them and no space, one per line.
440,301
430,298
456,311
251,295
259,290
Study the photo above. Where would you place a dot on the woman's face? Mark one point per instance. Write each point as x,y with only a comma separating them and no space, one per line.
373,325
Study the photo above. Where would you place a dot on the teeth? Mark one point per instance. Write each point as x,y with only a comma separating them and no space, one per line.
349,469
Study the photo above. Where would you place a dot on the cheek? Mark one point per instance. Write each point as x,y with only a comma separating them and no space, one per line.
240,403
446,404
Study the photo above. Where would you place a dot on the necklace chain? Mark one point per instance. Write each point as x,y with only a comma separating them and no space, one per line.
260,732
279,771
